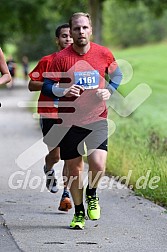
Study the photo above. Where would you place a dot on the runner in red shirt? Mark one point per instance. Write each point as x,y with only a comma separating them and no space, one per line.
82,108
48,115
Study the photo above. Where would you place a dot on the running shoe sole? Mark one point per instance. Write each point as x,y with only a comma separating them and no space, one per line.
78,222
77,227
65,205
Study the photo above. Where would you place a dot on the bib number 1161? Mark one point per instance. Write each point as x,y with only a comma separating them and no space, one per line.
88,80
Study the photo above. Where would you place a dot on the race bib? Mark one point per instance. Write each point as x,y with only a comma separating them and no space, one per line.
87,79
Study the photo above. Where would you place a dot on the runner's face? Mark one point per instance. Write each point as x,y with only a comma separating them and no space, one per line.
81,31
64,39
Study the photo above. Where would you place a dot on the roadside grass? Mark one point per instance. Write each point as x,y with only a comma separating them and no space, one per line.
139,143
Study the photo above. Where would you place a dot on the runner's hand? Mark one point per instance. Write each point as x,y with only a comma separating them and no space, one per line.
74,90
103,94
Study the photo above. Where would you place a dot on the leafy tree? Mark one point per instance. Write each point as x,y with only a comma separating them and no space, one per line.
31,24
96,8
156,7
134,25
20,16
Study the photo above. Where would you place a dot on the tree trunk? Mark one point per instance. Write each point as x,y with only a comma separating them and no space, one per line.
95,10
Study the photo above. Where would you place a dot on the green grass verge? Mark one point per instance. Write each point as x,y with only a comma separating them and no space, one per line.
139,143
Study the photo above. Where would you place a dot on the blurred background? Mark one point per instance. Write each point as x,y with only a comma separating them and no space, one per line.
27,27
135,31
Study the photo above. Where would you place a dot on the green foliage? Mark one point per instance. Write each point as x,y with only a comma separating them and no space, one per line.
30,25
20,16
37,47
134,25
156,7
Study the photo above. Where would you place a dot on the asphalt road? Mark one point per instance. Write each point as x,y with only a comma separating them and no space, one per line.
29,216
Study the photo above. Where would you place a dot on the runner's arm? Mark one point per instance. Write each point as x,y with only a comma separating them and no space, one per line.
5,78
36,75
115,80
35,85
51,90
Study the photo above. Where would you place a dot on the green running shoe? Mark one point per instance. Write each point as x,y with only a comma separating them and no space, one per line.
78,221
93,210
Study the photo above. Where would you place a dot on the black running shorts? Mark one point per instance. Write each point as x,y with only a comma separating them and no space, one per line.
72,140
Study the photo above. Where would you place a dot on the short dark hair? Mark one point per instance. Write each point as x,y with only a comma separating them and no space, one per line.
80,14
58,29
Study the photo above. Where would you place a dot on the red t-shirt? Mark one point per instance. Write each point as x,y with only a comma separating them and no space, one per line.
96,62
45,104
